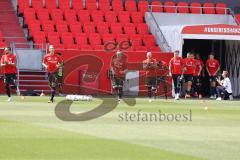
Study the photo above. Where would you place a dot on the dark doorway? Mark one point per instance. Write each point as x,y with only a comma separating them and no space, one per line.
204,47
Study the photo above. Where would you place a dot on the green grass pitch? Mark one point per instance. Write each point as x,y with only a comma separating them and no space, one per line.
29,130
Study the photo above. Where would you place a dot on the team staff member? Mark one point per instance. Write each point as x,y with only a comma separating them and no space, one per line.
52,62
225,87
189,64
119,70
8,62
150,65
212,67
162,72
197,76
176,71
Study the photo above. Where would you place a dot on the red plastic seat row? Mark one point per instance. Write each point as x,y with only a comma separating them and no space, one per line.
194,7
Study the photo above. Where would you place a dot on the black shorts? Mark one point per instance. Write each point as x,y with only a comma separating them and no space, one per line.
151,81
213,78
52,80
197,79
188,77
117,82
10,78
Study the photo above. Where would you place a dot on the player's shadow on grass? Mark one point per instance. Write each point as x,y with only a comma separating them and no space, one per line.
62,109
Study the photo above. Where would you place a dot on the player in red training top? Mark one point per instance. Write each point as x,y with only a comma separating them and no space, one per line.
52,62
8,62
197,76
189,64
212,67
119,70
176,71
150,65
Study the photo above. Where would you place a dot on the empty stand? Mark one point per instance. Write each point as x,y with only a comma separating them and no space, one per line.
195,8
209,8
221,8
182,7
169,7
157,6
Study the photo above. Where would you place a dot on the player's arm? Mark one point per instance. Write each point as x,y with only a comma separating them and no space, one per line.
207,69
170,68
13,63
3,63
217,70
44,63
145,65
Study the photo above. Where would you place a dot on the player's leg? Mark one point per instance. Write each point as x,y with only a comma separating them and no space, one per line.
219,90
52,84
154,82
199,86
120,89
189,86
213,87
13,79
7,86
176,83
149,88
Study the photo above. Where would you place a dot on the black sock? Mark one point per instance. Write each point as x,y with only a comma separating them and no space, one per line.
120,92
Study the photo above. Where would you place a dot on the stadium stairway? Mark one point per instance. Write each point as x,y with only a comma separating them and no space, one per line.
33,81
9,24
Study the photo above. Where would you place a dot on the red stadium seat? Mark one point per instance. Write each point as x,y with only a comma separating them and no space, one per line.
98,47
77,5
34,26
39,37
94,39
85,47
143,6
76,28
142,28
58,46
71,46
107,38
129,28
182,7
137,17
154,49
22,4
221,8
116,28
124,17
51,4
195,8
81,38
53,38
209,8
67,38
117,5
29,15
97,16
122,37
70,16
104,5
111,16
47,27
91,5
57,15
89,27
238,18
157,6
149,40
84,16
136,40
130,6
43,14
62,27
103,27
140,48
37,4
64,4
170,7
